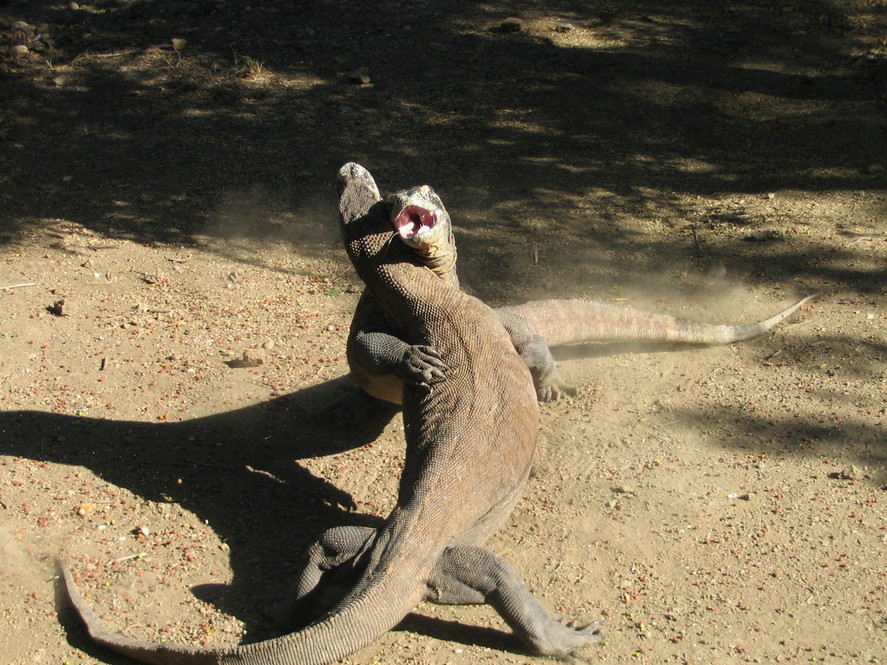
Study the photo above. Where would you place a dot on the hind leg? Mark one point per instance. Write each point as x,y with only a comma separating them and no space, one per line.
474,575
331,569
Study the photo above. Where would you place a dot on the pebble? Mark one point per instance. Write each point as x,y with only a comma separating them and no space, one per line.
254,358
361,76
763,235
19,50
58,308
850,473
624,489
563,27
511,24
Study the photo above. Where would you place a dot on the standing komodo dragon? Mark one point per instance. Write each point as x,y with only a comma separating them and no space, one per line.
470,443
381,362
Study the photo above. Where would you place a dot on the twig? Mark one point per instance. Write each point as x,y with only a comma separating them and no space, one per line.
126,558
265,473
212,466
17,286
862,239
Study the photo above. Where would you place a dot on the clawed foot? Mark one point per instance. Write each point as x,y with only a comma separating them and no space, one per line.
553,391
565,639
421,366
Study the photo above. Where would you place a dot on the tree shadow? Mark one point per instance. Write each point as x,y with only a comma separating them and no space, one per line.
164,151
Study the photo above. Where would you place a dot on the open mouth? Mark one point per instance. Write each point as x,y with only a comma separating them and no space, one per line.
413,222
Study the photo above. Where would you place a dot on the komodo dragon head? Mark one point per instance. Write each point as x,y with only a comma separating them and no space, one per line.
422,223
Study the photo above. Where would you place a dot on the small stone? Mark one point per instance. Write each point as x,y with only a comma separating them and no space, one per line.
511,24
18,50
179,44
73,6
850,473
563,27
268,344
85,509
58,308
360,76
60,81
763,235
253,358
624,489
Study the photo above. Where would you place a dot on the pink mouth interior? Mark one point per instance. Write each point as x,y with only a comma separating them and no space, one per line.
413,221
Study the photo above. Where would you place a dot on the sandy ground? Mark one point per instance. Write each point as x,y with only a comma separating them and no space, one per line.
167,210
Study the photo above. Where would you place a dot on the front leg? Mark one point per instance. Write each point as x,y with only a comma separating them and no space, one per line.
382,362
468,575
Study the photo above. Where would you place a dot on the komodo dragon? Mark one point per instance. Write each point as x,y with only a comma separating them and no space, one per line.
470,443
381,362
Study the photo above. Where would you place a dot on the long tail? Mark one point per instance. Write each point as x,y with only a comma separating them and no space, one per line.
573,321
375,607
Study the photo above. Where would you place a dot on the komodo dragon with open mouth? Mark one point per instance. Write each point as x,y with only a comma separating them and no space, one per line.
381,362
470,444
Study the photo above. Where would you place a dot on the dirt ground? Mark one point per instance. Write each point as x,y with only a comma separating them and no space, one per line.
167,206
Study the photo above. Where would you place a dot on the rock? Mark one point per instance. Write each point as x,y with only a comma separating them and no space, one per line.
511,24
624,489
253,358
360,76
850,473
268,344
58,308
179,44
763,235
563,26
18,50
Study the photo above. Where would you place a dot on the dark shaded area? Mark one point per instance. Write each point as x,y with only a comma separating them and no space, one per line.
239,473
131,138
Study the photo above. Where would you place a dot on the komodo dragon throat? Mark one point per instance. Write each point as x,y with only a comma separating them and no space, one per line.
381,362
470,443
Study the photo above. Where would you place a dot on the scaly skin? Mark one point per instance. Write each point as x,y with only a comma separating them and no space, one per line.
470,443
382,363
